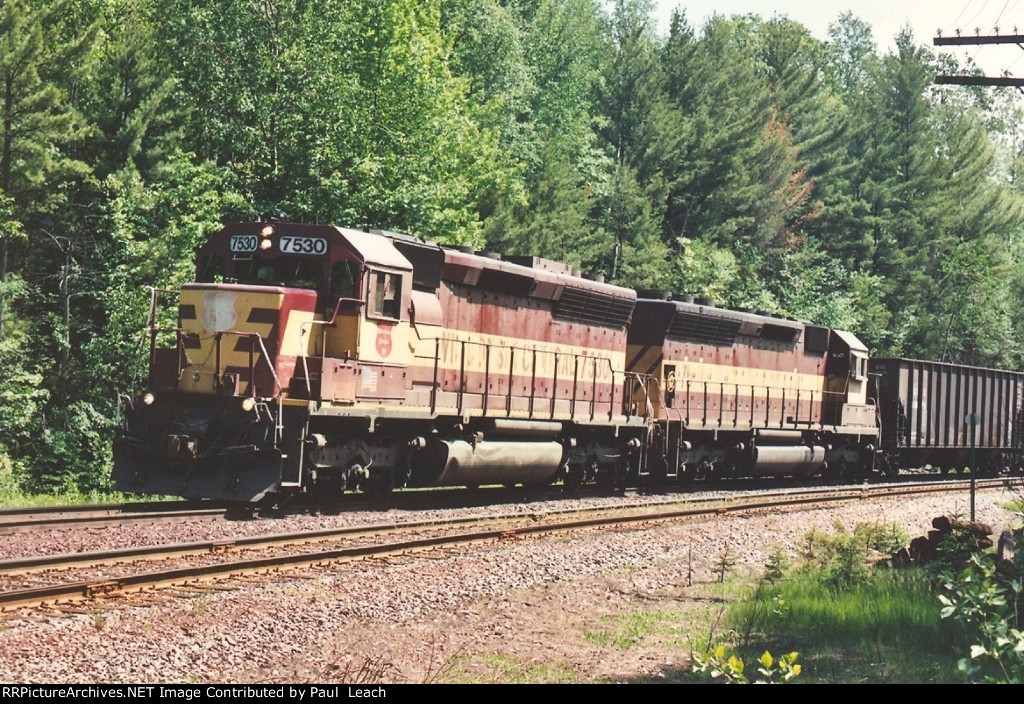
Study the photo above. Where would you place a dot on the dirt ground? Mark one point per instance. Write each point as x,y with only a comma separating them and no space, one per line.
597,629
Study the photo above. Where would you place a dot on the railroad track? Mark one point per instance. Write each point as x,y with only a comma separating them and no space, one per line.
13,520
62,580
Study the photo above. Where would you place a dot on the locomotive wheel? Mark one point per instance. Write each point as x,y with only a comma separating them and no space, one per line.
379,485
657,477
610,479
837,471
572,479
889,468
329,493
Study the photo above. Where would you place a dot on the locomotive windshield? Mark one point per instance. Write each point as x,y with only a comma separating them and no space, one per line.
344,279
290,272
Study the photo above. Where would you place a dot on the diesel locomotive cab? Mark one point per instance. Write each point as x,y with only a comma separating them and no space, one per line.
226,408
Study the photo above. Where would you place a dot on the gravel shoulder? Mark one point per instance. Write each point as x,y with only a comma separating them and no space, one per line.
552,609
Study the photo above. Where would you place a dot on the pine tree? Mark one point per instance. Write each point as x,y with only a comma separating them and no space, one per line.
35,119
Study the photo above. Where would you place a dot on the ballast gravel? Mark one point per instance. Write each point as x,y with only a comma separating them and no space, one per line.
535,609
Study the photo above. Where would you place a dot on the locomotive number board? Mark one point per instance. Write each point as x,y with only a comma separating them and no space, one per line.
244,244
315,246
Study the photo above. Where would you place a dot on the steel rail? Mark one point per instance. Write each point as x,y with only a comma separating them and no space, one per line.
37,596
28,565
13,523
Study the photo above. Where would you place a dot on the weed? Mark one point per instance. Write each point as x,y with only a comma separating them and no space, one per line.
847,566
988,606
502,669
776,566
849,622
725,563
721,664
370,670
631,629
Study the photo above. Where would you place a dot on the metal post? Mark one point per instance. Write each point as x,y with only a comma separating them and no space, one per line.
972,421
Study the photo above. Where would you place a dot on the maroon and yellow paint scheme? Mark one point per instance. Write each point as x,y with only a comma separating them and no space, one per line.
330,356
490,338
734,387
314,358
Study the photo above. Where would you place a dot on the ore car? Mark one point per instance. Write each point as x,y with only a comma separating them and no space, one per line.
949,416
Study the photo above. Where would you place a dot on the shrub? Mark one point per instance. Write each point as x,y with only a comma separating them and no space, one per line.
987,605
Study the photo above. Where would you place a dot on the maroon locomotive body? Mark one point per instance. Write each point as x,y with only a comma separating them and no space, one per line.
315,359
748,394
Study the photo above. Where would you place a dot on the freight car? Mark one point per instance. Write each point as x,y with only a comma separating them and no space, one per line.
317,359
949,416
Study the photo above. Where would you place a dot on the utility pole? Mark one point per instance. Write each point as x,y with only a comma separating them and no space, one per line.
978,39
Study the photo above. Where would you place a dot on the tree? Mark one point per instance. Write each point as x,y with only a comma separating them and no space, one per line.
35,119
564,167
336,110
637,115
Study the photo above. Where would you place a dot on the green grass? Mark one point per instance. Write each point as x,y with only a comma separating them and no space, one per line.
501,669
626,630
17,499
883,628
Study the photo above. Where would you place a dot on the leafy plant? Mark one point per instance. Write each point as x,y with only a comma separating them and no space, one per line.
730,668
988,607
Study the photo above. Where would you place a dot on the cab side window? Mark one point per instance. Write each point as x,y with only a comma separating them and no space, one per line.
387,289
858,366
210,270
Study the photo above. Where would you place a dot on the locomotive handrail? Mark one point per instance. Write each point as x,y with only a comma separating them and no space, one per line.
181,333
154,331
595,362
708,389
323,343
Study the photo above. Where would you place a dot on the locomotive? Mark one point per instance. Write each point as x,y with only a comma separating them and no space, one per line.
315,359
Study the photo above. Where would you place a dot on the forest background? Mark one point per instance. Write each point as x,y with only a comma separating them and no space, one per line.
743,160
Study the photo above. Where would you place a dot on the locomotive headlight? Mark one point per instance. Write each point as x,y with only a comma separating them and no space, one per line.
265,234
148,398
248,404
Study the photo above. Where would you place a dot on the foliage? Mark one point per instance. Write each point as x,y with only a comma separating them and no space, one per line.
988,605
724,563
629,629
841,556
849,622
743,160
776,566
721,664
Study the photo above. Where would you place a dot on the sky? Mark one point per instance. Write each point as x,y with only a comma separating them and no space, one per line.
887,17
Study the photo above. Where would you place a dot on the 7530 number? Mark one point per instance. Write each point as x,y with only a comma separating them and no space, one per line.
303,245
244,243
